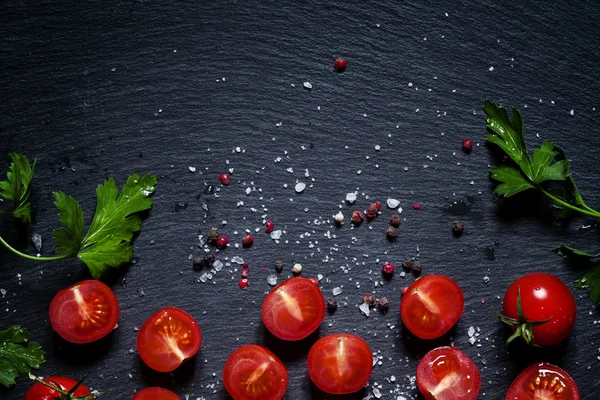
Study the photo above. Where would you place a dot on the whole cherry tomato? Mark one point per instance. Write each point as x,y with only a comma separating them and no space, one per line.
155,393
39,391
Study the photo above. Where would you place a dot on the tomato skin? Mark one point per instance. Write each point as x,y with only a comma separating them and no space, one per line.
340,363
431,306
271,379
91,298
41,392
293,309
463,379
155,393
168,338
543,296
525,386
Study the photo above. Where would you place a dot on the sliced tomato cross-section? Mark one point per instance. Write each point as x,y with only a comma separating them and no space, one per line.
168,338
155,393
84,312
543,381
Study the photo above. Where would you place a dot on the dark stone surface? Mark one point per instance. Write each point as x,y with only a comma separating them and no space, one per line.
104,89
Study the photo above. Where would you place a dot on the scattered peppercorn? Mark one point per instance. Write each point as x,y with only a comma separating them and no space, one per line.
247,240
416,267
378,205
339,64
357,217
388,268
395,220
372,210
407,263
198,262
338,218
332,305
458,227
269,226
222,242
297,268
467,145
213,235
417,206
279,265
370,299
224,179
384,304
391,233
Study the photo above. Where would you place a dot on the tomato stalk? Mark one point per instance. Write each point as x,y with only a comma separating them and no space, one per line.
524,326
20,254
66,395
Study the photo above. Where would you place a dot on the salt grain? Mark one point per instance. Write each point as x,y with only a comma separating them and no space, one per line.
300,186
307,85
392,203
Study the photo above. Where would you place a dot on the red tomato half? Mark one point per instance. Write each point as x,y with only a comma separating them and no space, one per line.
168,338
254,373
431,306
84,312
545,382
294,309
543,296
340,364
41,392
446,373
155,393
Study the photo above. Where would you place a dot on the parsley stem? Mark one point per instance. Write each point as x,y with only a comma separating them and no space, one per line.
587,210
17,252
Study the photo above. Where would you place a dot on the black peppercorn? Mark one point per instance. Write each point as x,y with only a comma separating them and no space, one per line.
370,299
458,227
332,305
384,304
213,235
416,267
407,263
391,233
279,265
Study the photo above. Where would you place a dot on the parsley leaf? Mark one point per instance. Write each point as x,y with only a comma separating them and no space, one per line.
571,252
108,240
590,279
17,186
17,354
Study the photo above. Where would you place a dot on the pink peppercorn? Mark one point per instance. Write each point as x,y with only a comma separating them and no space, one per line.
224,179
388,268
222,242
243,283
269,226
467,145
247,240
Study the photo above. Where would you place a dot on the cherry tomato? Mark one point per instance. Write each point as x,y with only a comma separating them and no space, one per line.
294,309
340,364
446,373
254,373
84,312
545,382
431,306
155,393
168,338
543,296
41,392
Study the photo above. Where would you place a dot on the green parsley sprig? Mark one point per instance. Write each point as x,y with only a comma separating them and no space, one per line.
107,242
547,163
17,354
17,187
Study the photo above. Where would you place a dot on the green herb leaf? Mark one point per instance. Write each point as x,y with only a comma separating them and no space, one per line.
17,354
512,180
590,279
108,240
571,252
17,186
544,169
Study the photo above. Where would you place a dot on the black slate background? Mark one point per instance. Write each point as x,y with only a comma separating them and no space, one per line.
104,89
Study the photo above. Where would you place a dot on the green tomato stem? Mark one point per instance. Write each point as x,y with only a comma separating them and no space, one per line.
20,254
587,210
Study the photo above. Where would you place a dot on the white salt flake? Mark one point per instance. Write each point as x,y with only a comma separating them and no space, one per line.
192,169
336,291
248,191
392,203
472,340
471,331
237,260
272,280
307,85
491,69
399,210
218,265
376,393
300,186
572,112
351,198
364,308
276,235
3,292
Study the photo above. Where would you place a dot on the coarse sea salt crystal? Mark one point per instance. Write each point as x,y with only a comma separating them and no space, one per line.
364,308
392,203
272,280
471,331
276,235
300,186
237,260
351,198
336,291
307,85
218,265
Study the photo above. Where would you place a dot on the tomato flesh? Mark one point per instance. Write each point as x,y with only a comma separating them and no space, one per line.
543,296
41,392
340,363
543,381
446,373
155,393
254,373
294,309
431,306
168,338
84,312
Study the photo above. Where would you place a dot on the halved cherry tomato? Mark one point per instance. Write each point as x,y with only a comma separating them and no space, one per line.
543,296
294,309
545,382
254,373
84,312
446,373
155,393
41,392
168,338
340,364
431,306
